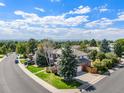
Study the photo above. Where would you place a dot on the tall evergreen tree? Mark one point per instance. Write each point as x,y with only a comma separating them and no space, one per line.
118,49
93,43
40,57
100,56
68,64
104,47
92,55
83,47
21,47
32,45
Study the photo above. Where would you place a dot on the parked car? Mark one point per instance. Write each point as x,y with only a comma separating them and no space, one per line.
16,61
120,65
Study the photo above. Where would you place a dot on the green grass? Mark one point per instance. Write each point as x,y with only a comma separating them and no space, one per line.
34,69
53,79
23,61
57,81
21,56
1,56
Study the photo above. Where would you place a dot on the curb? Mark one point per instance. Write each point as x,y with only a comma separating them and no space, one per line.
3,58
38,80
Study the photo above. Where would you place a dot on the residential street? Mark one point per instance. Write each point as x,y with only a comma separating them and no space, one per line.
111,84
14,80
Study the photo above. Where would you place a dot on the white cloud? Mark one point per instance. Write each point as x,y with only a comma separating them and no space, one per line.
102,8
80,34
74,21
25,15
2,4
17,29
101,23
80,10
40,9
51,20
32,25
59,27
108,33
120,16
105,22
55,0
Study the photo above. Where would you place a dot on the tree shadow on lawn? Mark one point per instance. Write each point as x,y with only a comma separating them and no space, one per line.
86,86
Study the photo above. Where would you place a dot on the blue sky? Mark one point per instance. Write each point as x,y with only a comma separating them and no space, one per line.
61,19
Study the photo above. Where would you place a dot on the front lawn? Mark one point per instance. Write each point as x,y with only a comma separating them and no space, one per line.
53,79
23,61
1,56
57,81
34,69
21,56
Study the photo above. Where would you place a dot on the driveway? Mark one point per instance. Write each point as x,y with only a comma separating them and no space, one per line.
111,84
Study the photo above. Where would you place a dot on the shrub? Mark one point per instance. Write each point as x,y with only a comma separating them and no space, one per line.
113,57
107,63
115,60
90,69
101,67
54,69
92,55
48,70
41,59
110,55
100,56
24,55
